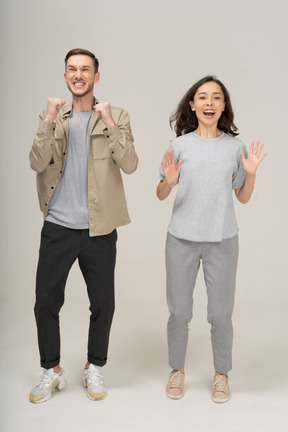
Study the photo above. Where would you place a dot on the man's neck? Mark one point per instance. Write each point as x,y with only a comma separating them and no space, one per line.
83,104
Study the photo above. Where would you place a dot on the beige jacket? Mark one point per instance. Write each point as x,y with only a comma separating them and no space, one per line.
109,151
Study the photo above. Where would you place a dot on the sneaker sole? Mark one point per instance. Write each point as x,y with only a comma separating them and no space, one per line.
174,397
60,386
101,395
221,400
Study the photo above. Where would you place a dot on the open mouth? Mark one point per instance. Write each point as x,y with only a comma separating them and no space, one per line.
78,84
209,113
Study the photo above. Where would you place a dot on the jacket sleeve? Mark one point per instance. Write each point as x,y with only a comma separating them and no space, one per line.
120,140
41,153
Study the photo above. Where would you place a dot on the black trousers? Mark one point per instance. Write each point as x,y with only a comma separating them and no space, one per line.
59,249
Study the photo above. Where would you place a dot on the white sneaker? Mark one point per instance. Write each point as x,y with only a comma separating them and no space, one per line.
49,382
93,381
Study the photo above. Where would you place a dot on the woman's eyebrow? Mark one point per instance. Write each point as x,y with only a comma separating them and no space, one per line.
212,93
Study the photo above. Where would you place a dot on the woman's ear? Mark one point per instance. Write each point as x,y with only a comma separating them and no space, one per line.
191,103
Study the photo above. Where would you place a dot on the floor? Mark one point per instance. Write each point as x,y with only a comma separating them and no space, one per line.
137,372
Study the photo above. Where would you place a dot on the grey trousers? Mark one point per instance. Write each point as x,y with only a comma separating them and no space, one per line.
219,260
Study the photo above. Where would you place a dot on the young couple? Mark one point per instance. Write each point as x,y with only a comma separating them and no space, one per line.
78,154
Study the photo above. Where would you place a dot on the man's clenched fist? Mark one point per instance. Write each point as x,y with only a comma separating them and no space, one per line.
53,107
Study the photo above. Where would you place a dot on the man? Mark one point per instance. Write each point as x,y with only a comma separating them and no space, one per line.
77,153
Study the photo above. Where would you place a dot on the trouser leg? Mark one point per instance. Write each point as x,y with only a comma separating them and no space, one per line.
219,265
56,256
97,263
182,265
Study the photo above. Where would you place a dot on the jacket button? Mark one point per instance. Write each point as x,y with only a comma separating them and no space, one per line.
46,204
112,152
60,172
64,154
52,187
107,136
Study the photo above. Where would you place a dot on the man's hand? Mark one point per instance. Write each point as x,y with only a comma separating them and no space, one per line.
103,109
52,109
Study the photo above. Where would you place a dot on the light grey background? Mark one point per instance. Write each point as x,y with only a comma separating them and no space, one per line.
150,53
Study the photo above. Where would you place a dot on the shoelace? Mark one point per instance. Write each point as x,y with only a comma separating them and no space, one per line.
220,383
176,380
45,380
94,378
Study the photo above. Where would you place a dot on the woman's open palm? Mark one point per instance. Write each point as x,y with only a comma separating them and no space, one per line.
171,171
253,159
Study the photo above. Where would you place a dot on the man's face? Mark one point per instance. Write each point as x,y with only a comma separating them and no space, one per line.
80,75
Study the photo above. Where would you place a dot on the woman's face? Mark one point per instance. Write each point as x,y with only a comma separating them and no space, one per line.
208,104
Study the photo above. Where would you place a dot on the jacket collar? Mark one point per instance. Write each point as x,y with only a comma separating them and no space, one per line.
96,126
66,110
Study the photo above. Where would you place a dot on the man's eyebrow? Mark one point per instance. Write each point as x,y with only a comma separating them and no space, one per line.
74,67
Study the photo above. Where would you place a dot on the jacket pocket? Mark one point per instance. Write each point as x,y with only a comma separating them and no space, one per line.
59,143
100,148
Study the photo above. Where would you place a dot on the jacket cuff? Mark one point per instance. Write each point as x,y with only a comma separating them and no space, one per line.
112,134
47,128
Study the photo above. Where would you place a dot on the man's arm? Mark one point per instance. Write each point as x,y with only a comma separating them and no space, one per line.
119,137
42,149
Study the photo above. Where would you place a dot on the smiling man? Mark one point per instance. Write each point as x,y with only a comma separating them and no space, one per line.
78,152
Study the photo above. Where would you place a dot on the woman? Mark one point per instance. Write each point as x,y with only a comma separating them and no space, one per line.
206,161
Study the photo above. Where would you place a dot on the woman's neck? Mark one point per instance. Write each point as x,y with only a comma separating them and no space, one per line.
206,132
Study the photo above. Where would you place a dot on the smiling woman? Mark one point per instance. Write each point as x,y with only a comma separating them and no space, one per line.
207,162
185,116
208,105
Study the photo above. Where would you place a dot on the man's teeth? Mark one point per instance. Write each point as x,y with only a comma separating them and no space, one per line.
78,84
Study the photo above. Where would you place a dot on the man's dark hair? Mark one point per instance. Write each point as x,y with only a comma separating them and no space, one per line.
81,51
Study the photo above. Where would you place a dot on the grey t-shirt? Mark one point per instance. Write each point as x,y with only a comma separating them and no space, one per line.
211,168
69,203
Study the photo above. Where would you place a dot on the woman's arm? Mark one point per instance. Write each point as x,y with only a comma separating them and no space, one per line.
163,190
250,165
171,173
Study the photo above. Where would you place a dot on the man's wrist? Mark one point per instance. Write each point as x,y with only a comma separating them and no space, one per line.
48,119
110,125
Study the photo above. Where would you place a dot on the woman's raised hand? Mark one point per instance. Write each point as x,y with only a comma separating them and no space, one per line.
253,159
171,171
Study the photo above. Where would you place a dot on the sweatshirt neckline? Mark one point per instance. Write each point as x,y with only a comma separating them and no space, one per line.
82,113
208,139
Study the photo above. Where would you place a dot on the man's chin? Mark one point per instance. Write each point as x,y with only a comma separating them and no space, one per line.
79,93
